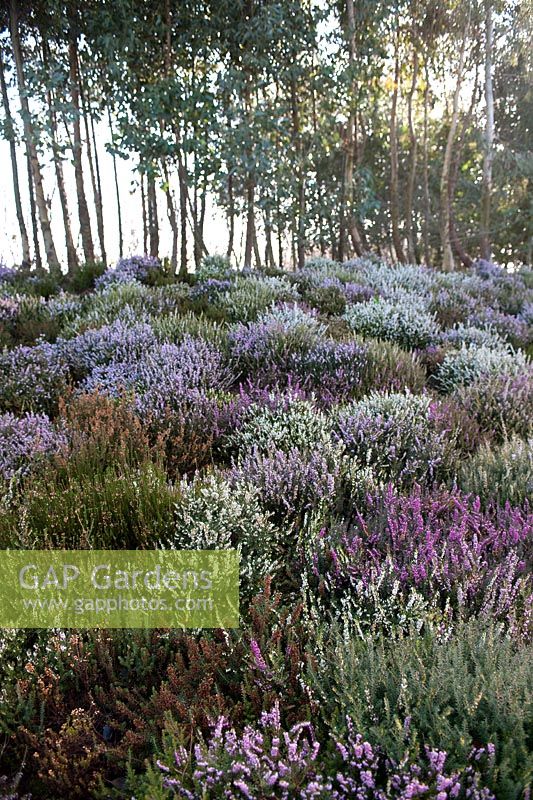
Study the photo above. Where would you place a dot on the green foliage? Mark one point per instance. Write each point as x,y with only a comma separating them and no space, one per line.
502,473
84,277
456,690
109,508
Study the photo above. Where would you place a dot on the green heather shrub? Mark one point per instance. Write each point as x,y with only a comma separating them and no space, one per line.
216,266
404,321
211,514
253,294
114,508
327,300
320,263
392,369
470,363
454,691
174,327
502,405
501,473
104,307
85,276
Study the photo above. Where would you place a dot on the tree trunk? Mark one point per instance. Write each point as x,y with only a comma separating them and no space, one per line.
172,218
269,251
97,194
33,214
153,222
231,215
83,210
10,134
145,224
297,144
72,256
348,221
394,196
99,187
448,263
51,254
427,202
250,226
488,155
117,190
411,239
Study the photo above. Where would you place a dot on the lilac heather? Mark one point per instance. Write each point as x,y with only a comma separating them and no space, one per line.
25,441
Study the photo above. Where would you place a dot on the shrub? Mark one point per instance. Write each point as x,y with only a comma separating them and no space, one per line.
401,437
27,441
31,379
501,474
114,508
406,323
290,482
253,295
401,557
210,514
174,327
86,276
502,405
332,370
140,269
452,692
261,348
162,376
81,704
102,433
284,423
271,761
471,362
216,267
388,368
121,340
470,334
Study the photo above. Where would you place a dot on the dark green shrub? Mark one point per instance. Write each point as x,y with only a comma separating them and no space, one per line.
450,691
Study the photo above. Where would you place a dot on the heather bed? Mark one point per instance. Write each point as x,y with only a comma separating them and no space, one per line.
363,435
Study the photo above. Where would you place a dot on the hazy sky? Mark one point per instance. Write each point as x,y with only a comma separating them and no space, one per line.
215,227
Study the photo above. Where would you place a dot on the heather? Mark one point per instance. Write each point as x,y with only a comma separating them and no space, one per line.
361,434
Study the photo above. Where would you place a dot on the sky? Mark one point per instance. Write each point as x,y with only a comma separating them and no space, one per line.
10,252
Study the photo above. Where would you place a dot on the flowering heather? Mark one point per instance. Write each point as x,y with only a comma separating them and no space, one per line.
162,375
333,370
119,341
472,362
139,269
9,308
31,378
508,327
209,288
26,440
281,421
402,321
501,405
443,544
7,274
292,481
271,762
399,436
262,348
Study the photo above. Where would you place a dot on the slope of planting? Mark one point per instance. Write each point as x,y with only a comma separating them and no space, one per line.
363,435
